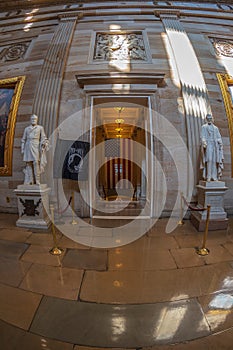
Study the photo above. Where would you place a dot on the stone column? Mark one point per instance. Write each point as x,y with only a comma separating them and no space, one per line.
47,96
193,87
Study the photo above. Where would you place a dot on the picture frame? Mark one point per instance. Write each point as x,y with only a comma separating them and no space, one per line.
10,93
225,82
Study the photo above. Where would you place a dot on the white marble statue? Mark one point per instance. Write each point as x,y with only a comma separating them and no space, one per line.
211,151
34,144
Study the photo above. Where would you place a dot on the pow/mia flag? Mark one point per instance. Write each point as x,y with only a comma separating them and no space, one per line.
71,160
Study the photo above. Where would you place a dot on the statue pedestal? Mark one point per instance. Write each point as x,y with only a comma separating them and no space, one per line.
33,206
210,193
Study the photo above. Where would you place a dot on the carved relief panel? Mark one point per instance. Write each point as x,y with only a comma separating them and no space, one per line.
122,47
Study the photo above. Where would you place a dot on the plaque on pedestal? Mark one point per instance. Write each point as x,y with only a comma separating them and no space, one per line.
210,193
33,206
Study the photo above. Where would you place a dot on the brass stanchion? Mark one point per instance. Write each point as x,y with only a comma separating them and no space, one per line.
73,222
203,250
181,222
55,250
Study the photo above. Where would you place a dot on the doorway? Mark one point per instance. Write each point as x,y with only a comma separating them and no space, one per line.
120,162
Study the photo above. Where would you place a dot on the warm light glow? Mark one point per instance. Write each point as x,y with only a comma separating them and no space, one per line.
117,284
114,27
29,17
119,109
121,88
119,121
27,27
119,265
32,11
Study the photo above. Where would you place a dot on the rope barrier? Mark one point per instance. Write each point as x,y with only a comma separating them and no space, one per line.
203,250
192,208
55,250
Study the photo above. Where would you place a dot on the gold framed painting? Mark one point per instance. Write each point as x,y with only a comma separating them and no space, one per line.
10,92
226,85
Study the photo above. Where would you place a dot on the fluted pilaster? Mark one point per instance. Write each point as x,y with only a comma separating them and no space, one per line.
193,87
46,100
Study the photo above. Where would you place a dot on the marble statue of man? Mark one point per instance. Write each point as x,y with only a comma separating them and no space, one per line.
33,146
211,151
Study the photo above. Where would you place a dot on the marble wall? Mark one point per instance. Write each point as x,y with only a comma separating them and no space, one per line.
81,77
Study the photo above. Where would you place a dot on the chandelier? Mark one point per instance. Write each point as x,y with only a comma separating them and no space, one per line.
119,121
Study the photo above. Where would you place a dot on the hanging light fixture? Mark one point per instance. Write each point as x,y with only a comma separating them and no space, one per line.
119,121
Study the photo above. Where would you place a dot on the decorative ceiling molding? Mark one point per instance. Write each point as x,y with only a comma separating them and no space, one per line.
25,4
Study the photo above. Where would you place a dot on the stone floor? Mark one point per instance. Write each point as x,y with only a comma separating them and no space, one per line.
154,293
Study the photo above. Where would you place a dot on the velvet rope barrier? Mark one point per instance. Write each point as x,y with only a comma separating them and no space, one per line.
203,250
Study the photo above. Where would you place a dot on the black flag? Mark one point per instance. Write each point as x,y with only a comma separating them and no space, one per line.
71,160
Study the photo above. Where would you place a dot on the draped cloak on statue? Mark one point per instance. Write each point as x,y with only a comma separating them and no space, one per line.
213,152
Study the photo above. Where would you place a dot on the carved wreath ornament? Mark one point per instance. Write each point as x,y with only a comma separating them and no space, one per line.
14,52
223,47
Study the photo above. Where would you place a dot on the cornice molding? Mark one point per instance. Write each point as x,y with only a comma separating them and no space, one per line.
85,79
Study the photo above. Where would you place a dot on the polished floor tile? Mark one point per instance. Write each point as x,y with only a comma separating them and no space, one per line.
66,242
189,241
13,338
154,286
12,250
217,254
10,336
152,293
40,255
140,259
218,341
17,306
8,220
42,239
55,281
119,325
229,247
12,271
86,259
218,310
187,257
19,235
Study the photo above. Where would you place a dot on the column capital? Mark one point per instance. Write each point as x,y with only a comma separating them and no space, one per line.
171,14
69,16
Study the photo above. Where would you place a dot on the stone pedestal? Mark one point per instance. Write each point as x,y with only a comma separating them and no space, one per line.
33,206
210,193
